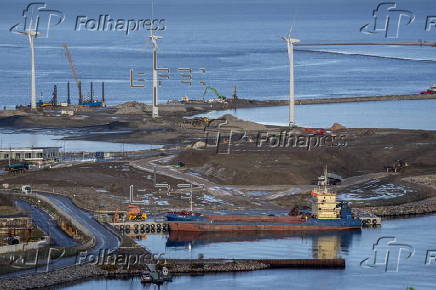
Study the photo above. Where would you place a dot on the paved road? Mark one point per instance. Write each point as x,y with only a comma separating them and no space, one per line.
104,239
49,226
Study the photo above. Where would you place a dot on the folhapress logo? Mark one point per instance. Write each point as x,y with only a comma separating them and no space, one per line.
388,254
388,19
108,23
38,19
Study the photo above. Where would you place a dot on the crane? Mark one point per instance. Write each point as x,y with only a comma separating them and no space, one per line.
69,57
215,91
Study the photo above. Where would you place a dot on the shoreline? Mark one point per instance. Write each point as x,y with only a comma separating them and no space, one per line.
198,107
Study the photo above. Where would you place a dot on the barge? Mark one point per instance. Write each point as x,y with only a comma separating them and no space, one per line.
326,214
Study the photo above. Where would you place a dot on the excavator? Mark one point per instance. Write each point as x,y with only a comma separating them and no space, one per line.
134,213
215,91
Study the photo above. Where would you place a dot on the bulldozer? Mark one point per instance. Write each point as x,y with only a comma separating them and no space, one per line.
134,213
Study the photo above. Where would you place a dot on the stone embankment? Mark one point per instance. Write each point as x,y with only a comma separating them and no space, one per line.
427,206
64,276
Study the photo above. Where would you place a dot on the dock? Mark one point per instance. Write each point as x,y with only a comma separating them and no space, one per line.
369,219
142,227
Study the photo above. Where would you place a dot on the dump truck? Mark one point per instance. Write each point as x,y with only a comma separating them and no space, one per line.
18,167
134,213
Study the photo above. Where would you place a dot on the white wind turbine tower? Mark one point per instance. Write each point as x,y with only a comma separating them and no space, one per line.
290,42
155,68
155,109
31,36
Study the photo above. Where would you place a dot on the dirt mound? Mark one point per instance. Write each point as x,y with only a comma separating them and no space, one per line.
337,127
249,164
130,108
233,122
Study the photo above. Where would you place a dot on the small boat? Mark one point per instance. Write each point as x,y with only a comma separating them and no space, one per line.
430,91
158,279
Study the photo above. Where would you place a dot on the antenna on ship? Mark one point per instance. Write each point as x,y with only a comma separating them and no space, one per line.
325,178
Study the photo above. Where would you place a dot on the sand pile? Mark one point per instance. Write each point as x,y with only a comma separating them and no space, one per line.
130,108
337,127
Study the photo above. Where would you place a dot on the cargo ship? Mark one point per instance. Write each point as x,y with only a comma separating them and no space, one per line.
326,214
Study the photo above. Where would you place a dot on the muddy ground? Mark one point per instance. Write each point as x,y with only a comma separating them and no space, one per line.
366,151
253,160
105,187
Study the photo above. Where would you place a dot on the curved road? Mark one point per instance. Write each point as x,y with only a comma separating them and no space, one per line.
49,226
104,238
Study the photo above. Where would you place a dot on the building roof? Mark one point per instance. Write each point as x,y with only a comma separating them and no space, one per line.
28,148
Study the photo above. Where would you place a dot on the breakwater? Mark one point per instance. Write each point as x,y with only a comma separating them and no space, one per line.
88,271
196,107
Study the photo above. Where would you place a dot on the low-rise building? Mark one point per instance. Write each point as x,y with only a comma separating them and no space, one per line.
30,154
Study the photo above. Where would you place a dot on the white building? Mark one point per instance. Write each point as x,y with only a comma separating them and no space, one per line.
30,154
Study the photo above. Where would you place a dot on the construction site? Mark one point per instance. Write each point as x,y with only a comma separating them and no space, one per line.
204,182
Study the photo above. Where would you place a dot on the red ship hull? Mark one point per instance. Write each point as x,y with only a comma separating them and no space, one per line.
253,227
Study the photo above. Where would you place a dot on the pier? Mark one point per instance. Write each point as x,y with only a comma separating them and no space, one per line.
141,227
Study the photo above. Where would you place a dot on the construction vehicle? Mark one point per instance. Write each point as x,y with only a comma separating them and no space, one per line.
18,167
73,72
397,166
215,91
90,102
134,213
316,131
53,102
196,122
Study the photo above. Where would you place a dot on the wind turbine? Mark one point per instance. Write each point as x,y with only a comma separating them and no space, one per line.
155,97
31,36
155,68
290,43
